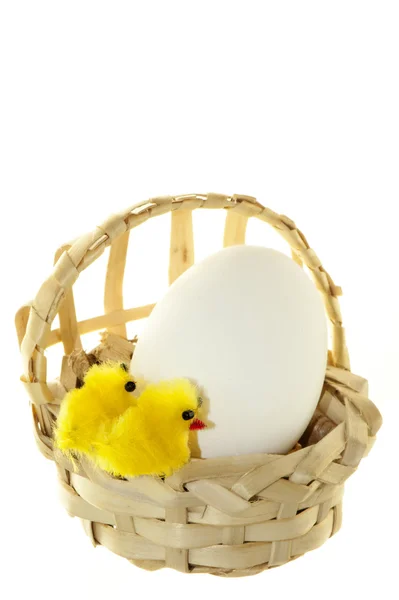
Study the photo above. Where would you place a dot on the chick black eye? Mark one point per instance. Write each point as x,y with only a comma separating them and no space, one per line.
187,415
130,386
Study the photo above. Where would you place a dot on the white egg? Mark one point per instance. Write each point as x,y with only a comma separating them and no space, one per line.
247,325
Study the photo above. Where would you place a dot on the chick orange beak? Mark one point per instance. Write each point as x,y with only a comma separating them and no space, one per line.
197,424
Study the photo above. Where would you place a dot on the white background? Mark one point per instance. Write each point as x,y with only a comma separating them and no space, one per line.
104,104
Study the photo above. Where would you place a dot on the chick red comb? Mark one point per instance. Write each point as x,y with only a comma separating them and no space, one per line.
197,424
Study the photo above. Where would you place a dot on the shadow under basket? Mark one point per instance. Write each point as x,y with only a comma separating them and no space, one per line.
227,516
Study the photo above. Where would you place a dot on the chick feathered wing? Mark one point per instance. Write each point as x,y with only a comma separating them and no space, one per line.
101,400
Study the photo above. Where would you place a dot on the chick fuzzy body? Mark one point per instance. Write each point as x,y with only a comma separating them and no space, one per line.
152,437
102,398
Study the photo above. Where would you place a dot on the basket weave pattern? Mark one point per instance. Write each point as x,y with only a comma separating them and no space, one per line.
227,516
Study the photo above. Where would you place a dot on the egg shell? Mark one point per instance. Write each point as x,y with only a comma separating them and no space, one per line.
248,326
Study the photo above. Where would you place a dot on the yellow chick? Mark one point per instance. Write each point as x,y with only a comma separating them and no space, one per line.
124,435
106,394
152,437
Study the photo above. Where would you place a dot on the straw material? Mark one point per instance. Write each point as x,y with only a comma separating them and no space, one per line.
227,516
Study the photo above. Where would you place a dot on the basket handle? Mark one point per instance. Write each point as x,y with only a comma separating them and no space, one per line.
89,247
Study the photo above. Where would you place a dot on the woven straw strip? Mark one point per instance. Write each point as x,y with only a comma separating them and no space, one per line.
322,511
86,248
125,523
111,502
65,273
364,405
181,243
282,528
232,536
113,292
43,442
73,467
217,496
63,475
89,529
69,331
109,321
217,200
40,363
337,514
356,436
37,332
48,299
147,489
115,226
129,545
21,322
213,467
273,468
38,392
77,507
225,481
176,555
284,491
262,511
336,474
247,208
234,229
331,406
320,456
350,380
281,551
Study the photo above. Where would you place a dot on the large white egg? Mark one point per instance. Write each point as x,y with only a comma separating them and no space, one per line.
248,326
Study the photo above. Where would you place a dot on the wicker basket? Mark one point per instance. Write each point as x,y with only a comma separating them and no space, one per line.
226,516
